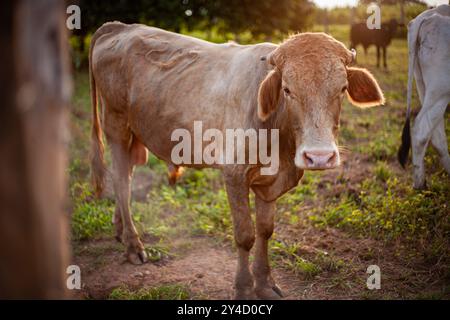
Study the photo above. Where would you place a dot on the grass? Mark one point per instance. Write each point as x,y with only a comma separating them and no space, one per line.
382,171
167,292
381,205
387,209
90,218
290,256
286,255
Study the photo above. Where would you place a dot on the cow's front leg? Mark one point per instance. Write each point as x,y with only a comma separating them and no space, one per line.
244,235
265,287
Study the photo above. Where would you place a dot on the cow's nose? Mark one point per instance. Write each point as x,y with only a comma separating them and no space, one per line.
320,159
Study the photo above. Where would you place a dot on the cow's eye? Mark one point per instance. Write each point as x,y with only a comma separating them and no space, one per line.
286,90
343,89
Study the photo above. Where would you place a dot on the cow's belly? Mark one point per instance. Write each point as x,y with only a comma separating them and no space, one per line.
155,129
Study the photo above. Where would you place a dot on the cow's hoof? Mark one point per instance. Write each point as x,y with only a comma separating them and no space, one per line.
269,293
135,249
136,252
137,258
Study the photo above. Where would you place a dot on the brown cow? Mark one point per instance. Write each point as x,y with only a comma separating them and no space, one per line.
151,82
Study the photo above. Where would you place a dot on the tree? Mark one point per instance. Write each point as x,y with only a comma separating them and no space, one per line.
167,14
264,17
259,17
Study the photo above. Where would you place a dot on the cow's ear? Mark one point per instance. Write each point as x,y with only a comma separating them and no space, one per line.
363,90
269,94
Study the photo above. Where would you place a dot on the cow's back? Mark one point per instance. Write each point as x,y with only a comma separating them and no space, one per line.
122,51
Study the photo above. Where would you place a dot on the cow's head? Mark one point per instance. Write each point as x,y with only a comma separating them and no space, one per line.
311,75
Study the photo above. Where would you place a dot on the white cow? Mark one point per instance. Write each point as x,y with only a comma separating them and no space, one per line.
429,63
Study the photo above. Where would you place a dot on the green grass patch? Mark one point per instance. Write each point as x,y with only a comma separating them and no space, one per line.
393,211
90,218
286,255
382,171
167,292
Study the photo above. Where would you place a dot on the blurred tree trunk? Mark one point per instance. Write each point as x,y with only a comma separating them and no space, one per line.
35,88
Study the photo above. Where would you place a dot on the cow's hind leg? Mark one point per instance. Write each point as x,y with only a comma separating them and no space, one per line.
439,141
265,287
124,158
426,122
244,235
138,156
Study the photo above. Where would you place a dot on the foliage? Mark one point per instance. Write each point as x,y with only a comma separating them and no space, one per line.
266,17
227,19
259,17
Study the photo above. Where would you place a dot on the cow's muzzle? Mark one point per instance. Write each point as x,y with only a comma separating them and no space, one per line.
317,159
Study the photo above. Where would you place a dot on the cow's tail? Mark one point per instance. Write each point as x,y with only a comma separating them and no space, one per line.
403,151
98,167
